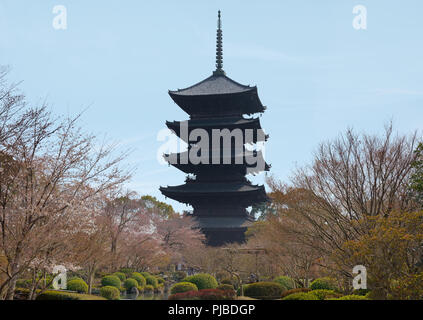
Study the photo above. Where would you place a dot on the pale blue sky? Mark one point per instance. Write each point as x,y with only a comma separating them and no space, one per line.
316,74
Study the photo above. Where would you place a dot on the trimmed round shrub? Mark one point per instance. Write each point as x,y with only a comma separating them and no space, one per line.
323,283
263,290
139,277
113,281
148,289
63,295
286,282
225,287
323,294
110,293
204,294
120,275
77,285
301,296
145,274
361,292
160,280
202,281
288,292
151,280
183,287
130,283
352,297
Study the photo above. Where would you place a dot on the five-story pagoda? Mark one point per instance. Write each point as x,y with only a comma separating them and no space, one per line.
217,188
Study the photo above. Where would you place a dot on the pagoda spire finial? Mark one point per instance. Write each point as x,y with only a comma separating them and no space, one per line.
219,46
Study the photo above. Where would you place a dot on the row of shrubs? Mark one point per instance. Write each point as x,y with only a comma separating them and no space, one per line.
280,288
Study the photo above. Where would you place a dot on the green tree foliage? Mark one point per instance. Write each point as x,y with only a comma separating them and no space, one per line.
162,209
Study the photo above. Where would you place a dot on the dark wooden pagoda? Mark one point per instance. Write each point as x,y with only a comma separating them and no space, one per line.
218,193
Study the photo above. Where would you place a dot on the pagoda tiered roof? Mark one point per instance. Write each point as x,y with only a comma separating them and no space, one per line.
209,124
214,85
224,161
218,94
238,191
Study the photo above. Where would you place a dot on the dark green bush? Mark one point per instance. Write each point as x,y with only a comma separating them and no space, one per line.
120,275
130,283
323,283
183,287
110,293
202,281
113,281
263,290
301,296
140,279
77,285
323,294
288,292
205,294
160,280
286,282
145,274
225,287
351,297
151,280
61,295
361,292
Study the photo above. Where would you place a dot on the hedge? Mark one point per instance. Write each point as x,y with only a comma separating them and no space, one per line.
120,275
130,283
183,287
263,290
77,285
323,294
113,281
140,278
323,283
288,292
351,297
202,281
301,296
286,282
204,294
110,293
63,295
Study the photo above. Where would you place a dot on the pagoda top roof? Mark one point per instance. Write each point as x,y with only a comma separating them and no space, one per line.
216,84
